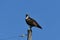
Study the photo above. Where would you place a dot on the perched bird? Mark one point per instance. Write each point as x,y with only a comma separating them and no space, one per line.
31,22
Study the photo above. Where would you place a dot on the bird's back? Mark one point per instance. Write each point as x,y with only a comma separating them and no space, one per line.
31,22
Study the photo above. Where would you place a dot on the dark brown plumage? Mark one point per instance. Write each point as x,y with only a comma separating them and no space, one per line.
31,22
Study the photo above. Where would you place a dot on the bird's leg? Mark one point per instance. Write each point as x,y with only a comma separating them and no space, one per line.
30,28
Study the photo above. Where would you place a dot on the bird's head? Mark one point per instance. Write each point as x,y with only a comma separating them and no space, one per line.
27,16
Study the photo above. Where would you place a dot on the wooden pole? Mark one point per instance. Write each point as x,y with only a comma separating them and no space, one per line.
29,36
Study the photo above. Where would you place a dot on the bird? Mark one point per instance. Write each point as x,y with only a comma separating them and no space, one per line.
31,22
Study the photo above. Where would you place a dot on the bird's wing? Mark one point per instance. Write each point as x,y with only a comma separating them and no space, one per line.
34,22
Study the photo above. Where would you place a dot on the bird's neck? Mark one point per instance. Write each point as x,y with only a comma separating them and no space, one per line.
27,17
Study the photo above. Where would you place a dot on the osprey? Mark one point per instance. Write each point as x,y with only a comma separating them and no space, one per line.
31,22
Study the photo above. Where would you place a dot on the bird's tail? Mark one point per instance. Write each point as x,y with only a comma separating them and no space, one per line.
39,27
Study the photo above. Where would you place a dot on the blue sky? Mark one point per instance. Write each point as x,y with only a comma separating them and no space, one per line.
45,12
